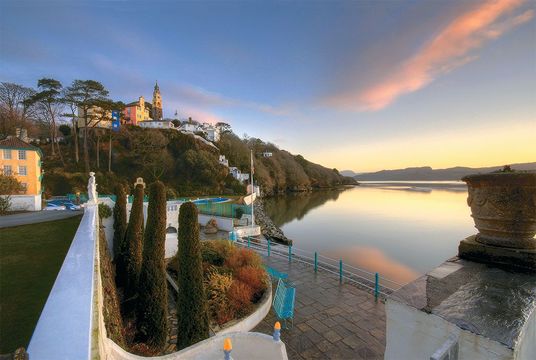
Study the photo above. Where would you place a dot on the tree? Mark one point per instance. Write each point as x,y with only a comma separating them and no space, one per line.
85,94
15,111
49,104
150,153
192,305
129,264
9,185
152,304
120,220
65,130
223,127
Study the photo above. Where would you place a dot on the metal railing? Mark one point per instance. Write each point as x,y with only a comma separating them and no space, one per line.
377,284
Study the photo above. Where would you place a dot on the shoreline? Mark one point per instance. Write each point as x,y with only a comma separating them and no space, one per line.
268,228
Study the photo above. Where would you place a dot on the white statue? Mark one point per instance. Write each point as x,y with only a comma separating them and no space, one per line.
92,189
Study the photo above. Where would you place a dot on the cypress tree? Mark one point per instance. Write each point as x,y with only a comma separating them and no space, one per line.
133,244
152,302
192,305
120,220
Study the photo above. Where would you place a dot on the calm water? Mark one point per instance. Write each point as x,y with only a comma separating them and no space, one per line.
389,229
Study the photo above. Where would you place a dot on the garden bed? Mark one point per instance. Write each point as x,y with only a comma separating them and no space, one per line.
236,284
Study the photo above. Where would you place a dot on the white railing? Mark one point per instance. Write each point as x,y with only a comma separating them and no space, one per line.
65,326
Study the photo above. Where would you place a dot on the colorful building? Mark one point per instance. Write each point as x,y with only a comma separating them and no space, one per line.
157,103
97,118
23,161
137,112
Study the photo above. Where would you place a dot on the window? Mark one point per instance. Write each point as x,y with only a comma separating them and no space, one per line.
22,170
7,170
7,154
22,154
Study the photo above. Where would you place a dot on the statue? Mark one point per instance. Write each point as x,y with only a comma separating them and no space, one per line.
92,189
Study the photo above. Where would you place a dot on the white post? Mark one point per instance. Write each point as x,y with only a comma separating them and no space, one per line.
252,190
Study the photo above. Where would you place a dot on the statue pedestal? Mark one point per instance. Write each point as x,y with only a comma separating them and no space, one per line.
471,249
475,310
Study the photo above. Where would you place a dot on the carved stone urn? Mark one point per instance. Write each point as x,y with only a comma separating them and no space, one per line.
503,207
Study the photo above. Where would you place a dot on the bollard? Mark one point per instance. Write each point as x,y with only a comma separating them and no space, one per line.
316,261
277,331
376,286
289,253
340,270
249,241
227,347
268,247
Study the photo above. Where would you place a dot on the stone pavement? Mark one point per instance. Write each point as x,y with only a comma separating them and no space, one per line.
331,320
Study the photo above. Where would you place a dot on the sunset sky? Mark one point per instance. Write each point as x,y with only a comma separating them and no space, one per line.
360,85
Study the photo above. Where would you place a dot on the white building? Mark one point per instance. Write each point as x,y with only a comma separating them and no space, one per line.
223,161
267,154
237,174
157,124
213,134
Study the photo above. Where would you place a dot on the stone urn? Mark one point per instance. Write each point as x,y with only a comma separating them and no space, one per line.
503,207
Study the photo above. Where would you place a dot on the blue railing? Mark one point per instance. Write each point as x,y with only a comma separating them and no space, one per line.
378,285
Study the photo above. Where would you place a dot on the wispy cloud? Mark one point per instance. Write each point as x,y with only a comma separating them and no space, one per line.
199,97
450,49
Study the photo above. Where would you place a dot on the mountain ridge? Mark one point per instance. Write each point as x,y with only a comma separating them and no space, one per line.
427,173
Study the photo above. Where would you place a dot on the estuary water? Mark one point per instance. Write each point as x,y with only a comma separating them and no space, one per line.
398,229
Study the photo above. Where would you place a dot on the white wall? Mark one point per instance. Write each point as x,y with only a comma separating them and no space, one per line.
25,202
224,223
414,334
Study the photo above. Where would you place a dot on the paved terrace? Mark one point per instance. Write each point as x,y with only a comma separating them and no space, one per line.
331,320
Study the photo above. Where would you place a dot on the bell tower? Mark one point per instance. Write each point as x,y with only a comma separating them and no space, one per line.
157,103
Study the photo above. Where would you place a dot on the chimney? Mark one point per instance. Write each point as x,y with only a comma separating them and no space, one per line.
22,134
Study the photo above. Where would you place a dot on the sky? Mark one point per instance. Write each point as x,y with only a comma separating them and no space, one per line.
360,85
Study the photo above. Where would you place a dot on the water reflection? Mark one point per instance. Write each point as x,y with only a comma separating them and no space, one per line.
400,233
284,209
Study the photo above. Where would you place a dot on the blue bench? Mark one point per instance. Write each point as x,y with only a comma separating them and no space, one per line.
276,274
283,303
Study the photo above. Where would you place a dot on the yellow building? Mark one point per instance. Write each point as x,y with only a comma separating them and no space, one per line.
23,161
97,118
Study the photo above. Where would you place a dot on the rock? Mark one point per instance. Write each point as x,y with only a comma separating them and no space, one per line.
211,227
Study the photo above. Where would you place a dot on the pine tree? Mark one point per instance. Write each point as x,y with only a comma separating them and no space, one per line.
191,304
133,245
120,221
152,290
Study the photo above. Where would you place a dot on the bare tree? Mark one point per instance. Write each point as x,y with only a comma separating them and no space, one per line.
15,110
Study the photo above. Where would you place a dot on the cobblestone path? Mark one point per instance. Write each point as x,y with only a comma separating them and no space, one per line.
331,320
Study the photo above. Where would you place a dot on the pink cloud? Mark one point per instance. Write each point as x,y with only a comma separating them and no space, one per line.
448,50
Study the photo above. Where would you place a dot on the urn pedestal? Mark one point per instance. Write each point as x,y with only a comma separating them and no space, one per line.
503,207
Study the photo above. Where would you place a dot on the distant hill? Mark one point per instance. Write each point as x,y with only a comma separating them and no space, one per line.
426,173
349,173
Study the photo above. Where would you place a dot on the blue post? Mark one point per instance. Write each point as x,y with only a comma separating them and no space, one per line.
277,331
316,261
289,253
376,286
340,270
268,247
249,241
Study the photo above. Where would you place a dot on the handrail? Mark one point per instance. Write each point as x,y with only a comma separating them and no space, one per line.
345,273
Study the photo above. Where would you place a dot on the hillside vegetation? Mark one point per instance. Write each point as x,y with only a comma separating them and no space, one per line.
187,166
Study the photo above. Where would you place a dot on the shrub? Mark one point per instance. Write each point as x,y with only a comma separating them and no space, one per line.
217,286
243,257
240,295
152,303
210,255
192,314
253,276
5,204
9,185
129,266
104,211
120,220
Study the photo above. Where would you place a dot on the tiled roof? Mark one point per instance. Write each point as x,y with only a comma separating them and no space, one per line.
13,142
